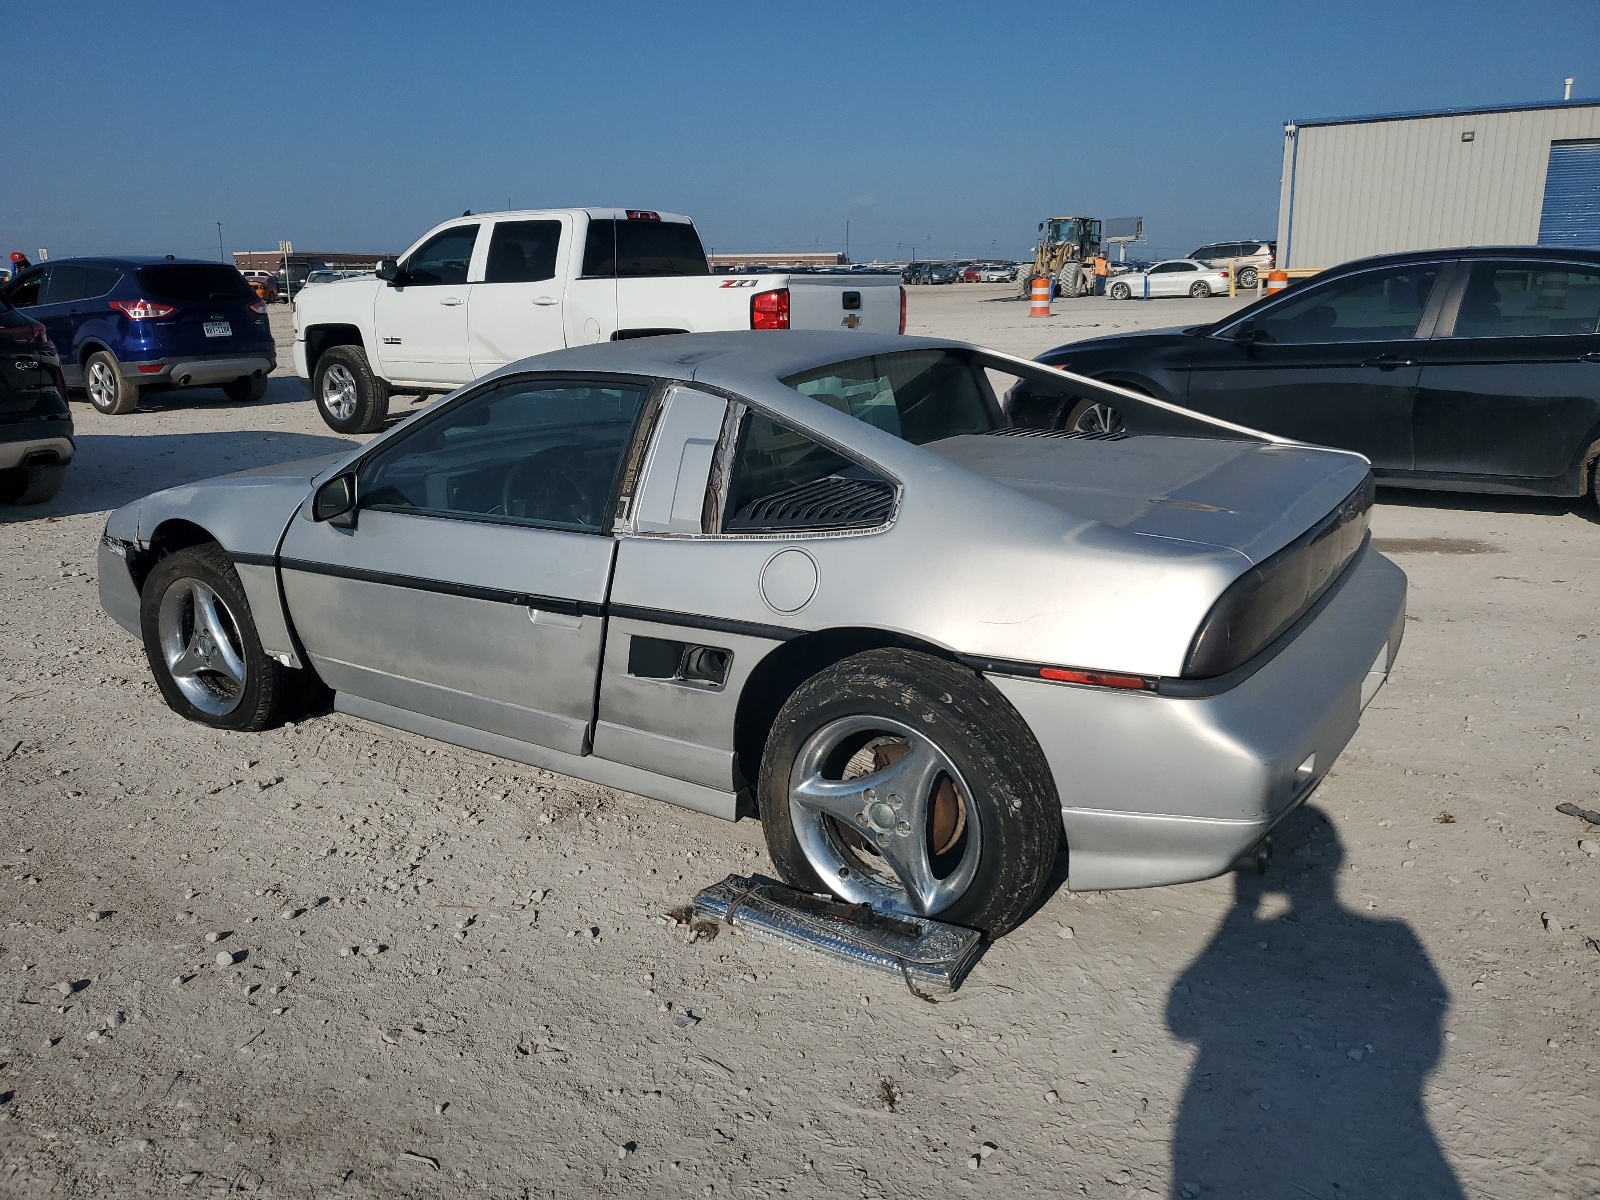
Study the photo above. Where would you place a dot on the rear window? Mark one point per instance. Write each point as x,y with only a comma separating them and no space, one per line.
194,283
643,249
918,395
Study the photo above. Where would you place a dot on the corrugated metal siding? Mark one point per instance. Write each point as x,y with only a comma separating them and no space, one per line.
1571,214
1384,186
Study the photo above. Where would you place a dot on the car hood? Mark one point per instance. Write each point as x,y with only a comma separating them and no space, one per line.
1250,497
1117,341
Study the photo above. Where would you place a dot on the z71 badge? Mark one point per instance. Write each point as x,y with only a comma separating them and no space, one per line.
739,282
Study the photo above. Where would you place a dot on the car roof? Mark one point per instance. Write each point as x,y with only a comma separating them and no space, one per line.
1536,253
135,260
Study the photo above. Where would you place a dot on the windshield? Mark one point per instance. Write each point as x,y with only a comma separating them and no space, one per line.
918,395
1063,231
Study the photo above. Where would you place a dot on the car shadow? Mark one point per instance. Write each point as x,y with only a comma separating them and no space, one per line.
281,389
1316,1028
109,470
1485,502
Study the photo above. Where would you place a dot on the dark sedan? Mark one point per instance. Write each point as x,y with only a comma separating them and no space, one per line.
1471,370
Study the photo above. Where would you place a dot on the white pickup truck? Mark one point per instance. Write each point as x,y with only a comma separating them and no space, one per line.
478,292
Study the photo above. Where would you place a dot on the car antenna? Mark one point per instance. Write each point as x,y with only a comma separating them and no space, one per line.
468,213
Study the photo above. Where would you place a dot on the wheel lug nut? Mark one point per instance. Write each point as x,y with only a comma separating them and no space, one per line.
903,828
872,793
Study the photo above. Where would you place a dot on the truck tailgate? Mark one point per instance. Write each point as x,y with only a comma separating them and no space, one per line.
870,303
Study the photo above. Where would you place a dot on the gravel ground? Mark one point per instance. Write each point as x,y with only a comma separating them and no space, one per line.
332,960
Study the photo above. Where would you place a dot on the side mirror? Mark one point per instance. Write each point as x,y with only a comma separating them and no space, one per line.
387,270
1247,334
335,502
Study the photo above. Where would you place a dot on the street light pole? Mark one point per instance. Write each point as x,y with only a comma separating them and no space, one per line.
221,257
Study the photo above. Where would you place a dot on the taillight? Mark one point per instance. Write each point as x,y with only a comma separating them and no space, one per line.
260,306
770,310
142,310
902,308
1224,272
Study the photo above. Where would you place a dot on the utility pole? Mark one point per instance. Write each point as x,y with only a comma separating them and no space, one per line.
847,241
221,257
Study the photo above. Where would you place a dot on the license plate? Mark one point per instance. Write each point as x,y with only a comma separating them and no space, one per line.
218,329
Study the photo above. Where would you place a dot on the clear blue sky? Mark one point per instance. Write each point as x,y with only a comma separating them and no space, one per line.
954,127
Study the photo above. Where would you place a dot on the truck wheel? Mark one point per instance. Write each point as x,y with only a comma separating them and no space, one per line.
245,390
108,390
31,485
202,644
1071,286
907,782
349,396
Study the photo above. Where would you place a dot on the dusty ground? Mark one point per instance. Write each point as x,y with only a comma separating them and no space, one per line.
1403,1006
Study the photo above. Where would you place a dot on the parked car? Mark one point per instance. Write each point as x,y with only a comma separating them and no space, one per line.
478,292
36,441
1252,257
1471,370
126,326
972,273
1174,277
264,286
640,563
997,273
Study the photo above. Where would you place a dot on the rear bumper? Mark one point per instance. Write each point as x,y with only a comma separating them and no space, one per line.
35,441
200,370
1159,789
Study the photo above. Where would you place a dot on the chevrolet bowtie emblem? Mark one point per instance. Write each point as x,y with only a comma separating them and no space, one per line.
851,320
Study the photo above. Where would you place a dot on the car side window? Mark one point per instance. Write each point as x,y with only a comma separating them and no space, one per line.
443,258
527,452
1373,306
523,252
786,481
24,292
1184,266
66,283
97,281
1528,300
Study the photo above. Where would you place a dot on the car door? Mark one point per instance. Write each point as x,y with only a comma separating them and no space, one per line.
421,316
471,585
26,292
1336,364
516,310
1163,280
1511,385
60,294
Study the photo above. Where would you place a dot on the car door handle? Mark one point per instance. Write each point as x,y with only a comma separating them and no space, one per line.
1388,362
546,300
451,300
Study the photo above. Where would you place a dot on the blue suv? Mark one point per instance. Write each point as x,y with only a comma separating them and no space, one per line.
124,326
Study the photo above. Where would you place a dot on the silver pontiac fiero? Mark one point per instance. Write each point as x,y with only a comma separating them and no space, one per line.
822,577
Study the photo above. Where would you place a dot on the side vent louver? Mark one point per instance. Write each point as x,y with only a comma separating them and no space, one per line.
831,503
1075,434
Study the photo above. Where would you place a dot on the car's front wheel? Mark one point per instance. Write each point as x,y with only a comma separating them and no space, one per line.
109,391
1093,416
246,390
349,396
202,644
906,782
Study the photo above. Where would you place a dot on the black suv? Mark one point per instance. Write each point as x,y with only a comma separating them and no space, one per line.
35,425
1470,370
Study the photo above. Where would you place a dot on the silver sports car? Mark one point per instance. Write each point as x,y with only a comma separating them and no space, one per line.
819,578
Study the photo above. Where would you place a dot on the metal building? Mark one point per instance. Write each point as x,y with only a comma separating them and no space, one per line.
1514,175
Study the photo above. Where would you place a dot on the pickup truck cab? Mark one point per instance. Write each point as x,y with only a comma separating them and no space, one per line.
479,292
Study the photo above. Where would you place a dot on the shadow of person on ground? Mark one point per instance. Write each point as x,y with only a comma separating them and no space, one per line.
1317,1027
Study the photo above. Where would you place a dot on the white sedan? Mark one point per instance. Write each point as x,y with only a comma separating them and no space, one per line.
1174,277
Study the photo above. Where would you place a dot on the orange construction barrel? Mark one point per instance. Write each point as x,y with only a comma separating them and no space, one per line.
1277,281
1041,297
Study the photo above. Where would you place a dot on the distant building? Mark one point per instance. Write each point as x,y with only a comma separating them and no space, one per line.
806,258
333,260
1512,175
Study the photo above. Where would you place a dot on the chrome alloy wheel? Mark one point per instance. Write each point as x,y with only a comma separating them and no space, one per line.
884,817
339,392
202,647
101,384
1098,418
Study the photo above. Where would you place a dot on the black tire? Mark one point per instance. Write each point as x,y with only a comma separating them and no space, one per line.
31,485
369,399
1120,291
1093,416
1248,277
107,389
246,390
1200,289
269,687
1013,797
1071,286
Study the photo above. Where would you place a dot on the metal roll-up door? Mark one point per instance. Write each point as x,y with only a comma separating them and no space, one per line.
1571,215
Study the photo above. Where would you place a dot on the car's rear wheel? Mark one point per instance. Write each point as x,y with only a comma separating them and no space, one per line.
245,390
350,397
1121,291
31,485
202,644
1248,277
1200,289
906,782
109,391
